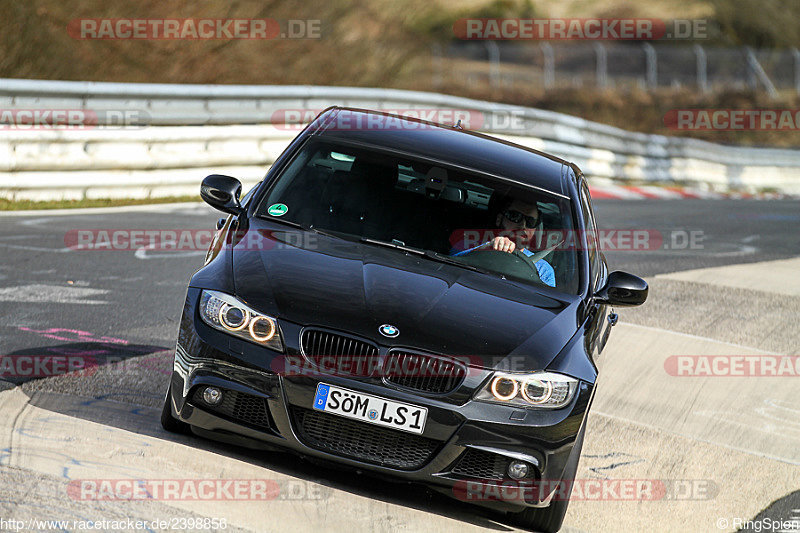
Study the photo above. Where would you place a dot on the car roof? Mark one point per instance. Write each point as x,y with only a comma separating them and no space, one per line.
444,143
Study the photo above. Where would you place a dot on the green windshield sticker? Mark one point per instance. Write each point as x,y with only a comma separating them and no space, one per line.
278,210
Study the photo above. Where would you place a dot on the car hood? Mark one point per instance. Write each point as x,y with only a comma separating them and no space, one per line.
316,280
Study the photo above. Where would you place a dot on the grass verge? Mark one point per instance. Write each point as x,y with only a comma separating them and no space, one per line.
25,205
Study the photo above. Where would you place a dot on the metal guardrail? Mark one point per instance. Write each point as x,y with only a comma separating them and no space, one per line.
645,65
185,131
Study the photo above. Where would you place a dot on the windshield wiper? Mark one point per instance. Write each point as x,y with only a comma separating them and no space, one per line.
427,254
326,233
436,256
285,222
394,245
299,226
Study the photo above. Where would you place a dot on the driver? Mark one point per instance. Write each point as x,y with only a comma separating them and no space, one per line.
520,219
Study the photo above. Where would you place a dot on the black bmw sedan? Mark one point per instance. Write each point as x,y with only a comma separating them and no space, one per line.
406,298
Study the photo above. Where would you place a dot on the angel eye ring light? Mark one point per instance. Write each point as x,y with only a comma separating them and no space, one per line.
500,396
245,317
256,336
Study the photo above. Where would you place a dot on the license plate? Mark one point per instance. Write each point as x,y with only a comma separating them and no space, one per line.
372,409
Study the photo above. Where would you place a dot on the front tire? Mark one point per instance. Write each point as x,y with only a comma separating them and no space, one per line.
550,518
168,422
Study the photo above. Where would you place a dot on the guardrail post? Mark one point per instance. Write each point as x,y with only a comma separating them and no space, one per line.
602,65
702,68
494,62
796,55
651,60
549,66
436,65
759,73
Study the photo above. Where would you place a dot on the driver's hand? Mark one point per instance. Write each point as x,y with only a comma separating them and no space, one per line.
503,244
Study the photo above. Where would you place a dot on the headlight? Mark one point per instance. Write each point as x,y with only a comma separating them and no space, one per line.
546,390
224,312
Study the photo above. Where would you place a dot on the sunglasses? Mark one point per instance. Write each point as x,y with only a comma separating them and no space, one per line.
516,217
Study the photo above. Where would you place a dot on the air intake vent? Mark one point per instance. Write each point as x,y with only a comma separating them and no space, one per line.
478,464
363,441
238,407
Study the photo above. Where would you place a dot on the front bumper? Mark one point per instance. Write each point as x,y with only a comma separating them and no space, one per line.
464,441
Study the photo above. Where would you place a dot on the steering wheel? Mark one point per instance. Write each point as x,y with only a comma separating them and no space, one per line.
527,260
514,263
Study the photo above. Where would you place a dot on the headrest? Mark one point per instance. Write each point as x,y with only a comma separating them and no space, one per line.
379,173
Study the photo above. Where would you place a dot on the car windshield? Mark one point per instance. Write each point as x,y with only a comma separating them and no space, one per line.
441,213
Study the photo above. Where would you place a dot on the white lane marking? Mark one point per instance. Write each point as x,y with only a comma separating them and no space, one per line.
778,276
735,418
742,249
693,438
191,206
771,417
698,337
37,293
20,237
36,248
35,221
141,253
120,279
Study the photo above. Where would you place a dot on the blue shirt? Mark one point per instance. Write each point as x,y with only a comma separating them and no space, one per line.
546,272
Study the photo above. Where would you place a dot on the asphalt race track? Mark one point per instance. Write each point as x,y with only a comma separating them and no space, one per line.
723,280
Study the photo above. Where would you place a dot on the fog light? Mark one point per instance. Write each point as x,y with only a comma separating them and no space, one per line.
518,469
212,396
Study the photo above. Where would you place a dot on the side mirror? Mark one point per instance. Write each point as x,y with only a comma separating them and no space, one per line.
222,193
623,290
